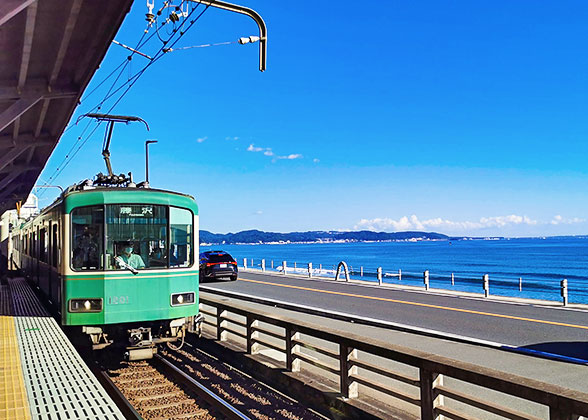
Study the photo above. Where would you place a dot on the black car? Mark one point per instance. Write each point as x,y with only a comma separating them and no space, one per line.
216,265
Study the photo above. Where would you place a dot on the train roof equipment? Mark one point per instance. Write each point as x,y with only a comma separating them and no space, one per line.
111,179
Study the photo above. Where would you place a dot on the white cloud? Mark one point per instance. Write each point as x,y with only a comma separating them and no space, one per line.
315,160
559,220
259,212
201,139
291,156
267,151
414,223
252,148
501,221
232,138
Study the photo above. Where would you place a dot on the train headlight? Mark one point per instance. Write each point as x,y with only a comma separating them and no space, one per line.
85,305
178,299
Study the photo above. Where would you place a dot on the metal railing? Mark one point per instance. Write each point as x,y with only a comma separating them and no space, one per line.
436,386
481,284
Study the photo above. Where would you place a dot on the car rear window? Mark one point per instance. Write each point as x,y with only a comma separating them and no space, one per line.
220,258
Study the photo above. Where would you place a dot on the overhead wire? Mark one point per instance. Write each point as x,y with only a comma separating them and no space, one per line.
142,41
216,44
130,82
123,64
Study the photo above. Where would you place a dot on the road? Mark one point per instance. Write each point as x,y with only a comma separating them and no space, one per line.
548,329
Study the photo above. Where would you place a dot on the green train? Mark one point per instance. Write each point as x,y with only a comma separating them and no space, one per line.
117,264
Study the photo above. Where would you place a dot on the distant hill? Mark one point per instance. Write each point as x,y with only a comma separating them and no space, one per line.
258,236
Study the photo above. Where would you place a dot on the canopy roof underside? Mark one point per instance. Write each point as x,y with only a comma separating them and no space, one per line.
49,51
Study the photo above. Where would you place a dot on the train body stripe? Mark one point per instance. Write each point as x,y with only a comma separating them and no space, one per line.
118,277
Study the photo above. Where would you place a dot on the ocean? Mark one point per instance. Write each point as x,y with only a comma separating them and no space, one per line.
541,263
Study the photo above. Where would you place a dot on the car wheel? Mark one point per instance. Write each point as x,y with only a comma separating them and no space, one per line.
234,278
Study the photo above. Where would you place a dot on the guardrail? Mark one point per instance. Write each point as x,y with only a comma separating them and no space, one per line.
380,276
433,386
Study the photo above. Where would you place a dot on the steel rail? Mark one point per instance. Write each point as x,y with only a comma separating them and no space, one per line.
112,390
207,395
223,407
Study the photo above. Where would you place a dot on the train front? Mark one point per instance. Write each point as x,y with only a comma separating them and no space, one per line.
131,279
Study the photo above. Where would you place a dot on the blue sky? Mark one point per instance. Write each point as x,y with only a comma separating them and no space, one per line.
457,117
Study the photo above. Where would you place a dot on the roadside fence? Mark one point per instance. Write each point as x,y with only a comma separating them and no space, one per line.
420,384
497,285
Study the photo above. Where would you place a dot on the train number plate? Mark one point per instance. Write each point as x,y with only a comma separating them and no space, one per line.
118,300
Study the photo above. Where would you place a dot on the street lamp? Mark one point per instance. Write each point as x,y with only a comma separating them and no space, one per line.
262,38
147,143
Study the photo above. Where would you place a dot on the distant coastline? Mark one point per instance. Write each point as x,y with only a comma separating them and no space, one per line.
260,237
250,237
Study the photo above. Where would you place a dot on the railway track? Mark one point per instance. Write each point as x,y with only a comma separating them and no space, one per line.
190,384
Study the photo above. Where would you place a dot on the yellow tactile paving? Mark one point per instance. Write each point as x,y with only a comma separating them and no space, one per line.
13,395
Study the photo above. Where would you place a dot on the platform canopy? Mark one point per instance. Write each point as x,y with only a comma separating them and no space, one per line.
49,51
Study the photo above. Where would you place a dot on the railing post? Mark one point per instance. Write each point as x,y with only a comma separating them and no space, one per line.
289,351
486,281
252,265
294,265
245,263
310,270
426,279
399,274
292,362
344,265
426,380
555,414
564,291
361,271
254,337
220,314
250,322
520,284
438,398
348,387
380,276
284,267
263,264
272,264
452,280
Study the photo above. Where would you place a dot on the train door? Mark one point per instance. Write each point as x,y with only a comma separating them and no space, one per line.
55,277
36,250
48,243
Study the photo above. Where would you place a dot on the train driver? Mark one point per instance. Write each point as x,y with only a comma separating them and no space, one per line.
133,260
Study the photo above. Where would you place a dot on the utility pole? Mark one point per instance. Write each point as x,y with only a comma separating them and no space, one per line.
147,143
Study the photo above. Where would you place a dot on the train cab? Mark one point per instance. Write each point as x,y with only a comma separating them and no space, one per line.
118,264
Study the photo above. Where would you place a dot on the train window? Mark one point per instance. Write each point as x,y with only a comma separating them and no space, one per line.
54,246
87,233
181,237
136,236
43,245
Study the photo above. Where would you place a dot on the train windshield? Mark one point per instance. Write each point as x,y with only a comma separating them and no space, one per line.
131,236
87,233
136,235
181,237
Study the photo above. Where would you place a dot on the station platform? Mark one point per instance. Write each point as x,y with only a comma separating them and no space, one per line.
42,376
